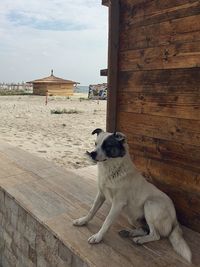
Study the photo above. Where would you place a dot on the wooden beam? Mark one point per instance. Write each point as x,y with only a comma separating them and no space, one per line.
106,3
113,48
104,72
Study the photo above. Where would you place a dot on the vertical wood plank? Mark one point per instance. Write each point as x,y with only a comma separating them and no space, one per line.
113,65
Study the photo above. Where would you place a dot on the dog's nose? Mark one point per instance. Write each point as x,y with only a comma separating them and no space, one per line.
93,155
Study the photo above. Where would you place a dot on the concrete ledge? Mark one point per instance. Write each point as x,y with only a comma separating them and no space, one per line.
38,202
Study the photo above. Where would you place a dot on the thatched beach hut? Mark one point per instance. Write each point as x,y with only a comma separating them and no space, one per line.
54,86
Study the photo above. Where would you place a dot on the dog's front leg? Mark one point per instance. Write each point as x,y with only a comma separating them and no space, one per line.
99,200
113,214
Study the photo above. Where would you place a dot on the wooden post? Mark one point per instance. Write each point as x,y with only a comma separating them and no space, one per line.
46,100
113,47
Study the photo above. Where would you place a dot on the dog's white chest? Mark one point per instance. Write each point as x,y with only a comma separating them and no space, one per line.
107,187
110,179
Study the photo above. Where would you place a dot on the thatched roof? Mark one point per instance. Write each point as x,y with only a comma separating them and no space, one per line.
53,80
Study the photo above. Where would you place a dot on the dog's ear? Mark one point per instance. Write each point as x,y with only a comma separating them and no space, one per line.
97,131
119,136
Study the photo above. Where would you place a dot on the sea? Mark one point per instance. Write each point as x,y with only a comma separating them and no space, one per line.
82,89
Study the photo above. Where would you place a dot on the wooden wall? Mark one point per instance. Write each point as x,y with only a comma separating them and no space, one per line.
53,89
158,96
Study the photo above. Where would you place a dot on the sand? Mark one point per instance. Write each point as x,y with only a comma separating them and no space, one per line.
26,122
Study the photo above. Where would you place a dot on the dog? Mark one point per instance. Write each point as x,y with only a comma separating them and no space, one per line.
147,208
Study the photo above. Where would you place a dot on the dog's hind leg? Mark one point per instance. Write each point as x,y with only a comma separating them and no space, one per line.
152,236
141,228
141,231
152,209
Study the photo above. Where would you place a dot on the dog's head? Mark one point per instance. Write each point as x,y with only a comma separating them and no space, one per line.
108,145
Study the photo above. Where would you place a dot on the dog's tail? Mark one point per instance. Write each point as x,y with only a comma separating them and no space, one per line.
179,244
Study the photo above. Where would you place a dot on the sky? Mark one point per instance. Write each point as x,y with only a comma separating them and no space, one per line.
68,36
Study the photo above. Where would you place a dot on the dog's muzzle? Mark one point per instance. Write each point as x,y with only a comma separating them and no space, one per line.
92,154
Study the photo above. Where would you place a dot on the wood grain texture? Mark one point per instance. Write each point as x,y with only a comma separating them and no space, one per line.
171,129
186,106
181,177
147,12
173,153
169,81
175,31
182,55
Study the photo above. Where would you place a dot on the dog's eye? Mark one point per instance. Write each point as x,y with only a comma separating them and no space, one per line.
95,143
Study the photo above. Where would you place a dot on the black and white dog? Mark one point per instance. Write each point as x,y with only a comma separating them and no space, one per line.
130,192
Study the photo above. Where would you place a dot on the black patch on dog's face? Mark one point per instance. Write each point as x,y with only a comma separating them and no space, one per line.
113,148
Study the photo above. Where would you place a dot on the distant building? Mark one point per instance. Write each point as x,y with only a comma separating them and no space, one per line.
54,86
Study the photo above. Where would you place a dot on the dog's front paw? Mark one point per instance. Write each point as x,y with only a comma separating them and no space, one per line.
95,239
80,221
137,241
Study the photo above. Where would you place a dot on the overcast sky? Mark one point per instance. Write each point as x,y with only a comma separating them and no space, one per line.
69,36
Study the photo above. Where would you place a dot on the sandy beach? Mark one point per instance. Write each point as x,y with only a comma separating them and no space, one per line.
26,122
